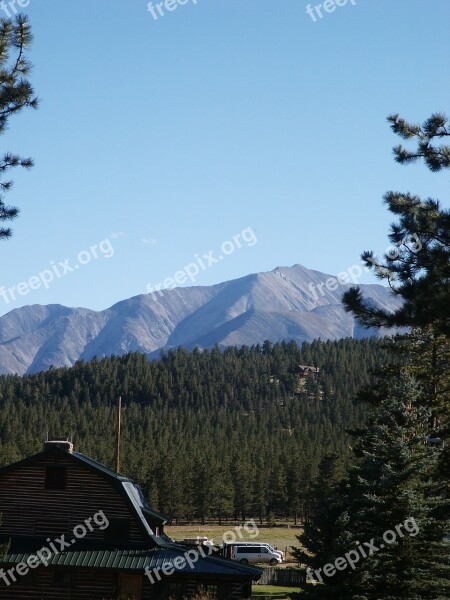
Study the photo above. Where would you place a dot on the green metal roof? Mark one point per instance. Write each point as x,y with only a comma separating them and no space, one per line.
99,467
155,515
139,560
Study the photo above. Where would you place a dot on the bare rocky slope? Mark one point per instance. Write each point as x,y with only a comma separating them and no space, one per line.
288,303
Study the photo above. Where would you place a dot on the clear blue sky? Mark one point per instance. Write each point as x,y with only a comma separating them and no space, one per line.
170,136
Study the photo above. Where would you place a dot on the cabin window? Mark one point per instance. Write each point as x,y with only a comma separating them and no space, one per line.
55,478
118,531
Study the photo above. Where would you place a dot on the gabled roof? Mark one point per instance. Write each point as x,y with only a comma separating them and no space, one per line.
129,490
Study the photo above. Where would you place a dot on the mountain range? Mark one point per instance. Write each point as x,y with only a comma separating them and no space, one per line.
288,303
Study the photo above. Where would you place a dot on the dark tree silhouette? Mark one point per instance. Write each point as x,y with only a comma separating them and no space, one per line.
16,93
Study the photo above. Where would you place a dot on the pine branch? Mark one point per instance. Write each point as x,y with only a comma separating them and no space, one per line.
436,157
16,93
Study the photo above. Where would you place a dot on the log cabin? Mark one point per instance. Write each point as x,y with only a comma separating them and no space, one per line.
74,529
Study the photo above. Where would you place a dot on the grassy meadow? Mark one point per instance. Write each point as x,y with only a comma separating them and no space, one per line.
278,537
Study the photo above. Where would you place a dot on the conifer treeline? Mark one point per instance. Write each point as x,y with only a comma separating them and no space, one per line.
206,433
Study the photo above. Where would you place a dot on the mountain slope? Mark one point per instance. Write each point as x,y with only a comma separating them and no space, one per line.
284,304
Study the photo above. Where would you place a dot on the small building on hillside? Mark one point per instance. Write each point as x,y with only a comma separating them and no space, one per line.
80,531
303,374
304,371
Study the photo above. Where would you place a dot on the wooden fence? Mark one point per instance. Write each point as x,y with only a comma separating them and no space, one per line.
280,576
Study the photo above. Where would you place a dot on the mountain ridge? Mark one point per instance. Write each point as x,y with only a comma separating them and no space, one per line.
285,303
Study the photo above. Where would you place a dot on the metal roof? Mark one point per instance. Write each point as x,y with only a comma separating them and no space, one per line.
140,560
99,467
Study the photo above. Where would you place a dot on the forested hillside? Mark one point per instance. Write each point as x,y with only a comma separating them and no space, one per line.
206,433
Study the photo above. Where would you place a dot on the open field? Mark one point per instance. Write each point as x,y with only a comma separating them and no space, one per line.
274,592
279,537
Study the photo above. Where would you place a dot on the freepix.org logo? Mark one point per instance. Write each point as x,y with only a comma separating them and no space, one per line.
191,271
56,271
189,558
323,9
362,551
55,547
12,7
159,9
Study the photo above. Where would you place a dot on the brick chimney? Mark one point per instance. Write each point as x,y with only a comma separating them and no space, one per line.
58,443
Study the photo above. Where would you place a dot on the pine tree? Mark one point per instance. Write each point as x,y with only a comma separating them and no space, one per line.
417,265
319,531
434,128
175,419
392,489
16,94
171,474
429,363
243,476
426,356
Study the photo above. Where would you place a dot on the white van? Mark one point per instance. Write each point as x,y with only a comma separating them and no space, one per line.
272,549
266,545
253,553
